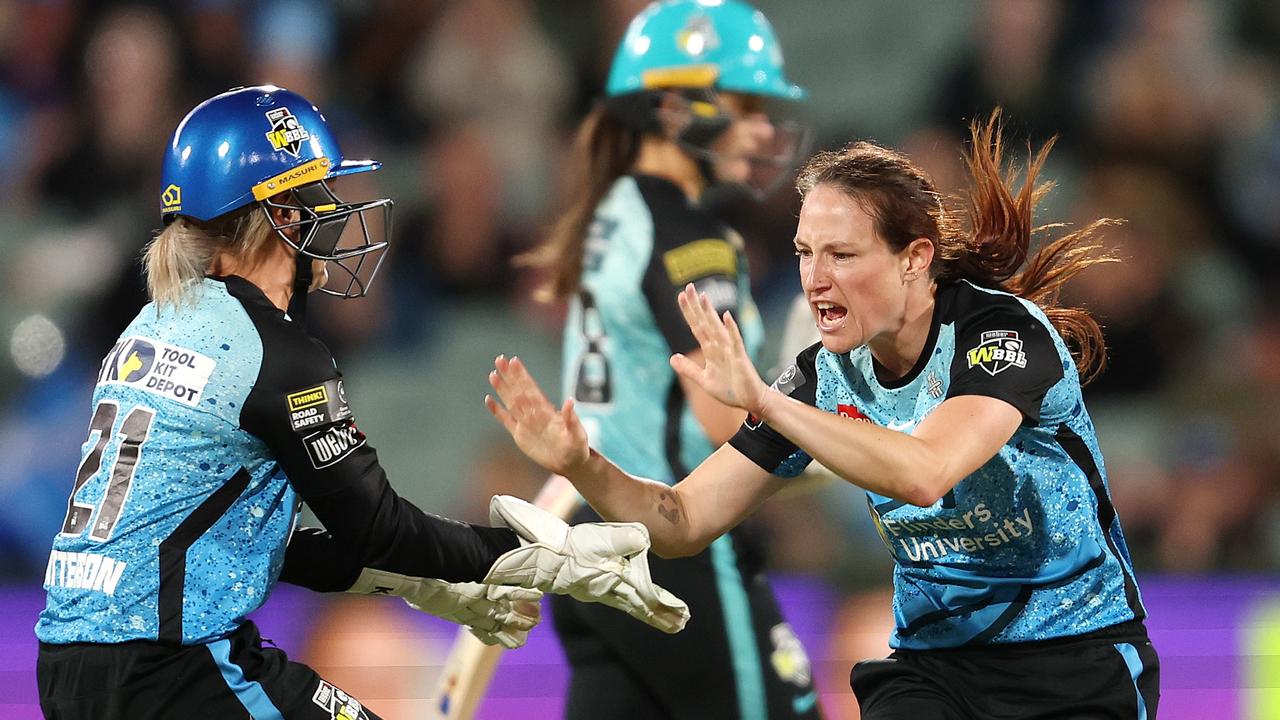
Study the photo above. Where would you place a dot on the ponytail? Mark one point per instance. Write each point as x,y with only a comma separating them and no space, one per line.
179,255
603,151
999,232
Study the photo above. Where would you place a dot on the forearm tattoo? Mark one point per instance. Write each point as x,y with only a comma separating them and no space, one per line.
669,507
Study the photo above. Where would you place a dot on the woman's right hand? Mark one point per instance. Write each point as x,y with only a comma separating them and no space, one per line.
726,372
553,438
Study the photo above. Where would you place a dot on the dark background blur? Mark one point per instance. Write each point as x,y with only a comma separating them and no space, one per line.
1167,112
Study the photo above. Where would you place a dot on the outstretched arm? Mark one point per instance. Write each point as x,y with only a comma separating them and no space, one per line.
682,520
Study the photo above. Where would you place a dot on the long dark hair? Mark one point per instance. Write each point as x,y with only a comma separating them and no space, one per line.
983,236
603,151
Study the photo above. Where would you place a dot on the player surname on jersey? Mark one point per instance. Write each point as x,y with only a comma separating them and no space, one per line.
83,570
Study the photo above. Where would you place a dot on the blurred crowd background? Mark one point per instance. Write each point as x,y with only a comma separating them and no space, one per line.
1167,112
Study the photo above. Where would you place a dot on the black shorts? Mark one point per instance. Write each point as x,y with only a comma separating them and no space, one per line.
1104,675
622,668
235,677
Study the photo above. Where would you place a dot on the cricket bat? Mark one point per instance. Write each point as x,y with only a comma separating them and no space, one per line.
470,664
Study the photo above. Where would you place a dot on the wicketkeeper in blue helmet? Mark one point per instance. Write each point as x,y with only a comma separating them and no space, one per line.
265,151
217,414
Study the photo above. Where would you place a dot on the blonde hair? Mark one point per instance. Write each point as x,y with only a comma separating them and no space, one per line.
180,254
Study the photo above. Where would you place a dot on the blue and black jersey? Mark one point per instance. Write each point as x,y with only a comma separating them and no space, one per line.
211,422
1026,548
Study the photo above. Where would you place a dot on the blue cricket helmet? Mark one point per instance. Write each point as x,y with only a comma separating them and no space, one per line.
722,44
270,147
244,146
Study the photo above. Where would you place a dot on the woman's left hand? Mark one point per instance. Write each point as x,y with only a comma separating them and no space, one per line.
726,373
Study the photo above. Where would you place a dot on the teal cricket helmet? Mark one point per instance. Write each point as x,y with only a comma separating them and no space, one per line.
722,44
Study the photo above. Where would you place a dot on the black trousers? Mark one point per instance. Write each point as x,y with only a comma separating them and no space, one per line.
235,677
623,669
1093,679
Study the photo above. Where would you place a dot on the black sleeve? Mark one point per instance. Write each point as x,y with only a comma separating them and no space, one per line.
300,410
767,447
1005,352
709,257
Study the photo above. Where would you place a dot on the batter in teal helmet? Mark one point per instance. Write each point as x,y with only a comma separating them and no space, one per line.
687,105
687,69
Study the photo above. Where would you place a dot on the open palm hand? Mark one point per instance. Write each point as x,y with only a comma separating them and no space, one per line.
552,437
726,372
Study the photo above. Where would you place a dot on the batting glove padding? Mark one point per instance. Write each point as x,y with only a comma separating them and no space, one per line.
592,562
496,614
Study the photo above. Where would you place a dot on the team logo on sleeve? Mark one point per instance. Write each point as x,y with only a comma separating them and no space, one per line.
787,382
318,405
997,351
286,134
150,365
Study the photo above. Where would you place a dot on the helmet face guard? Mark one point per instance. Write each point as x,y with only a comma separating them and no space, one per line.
694,118
699,118
324,232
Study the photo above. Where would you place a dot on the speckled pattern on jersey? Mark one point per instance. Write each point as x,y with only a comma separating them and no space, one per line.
1017,551
189,453
630,348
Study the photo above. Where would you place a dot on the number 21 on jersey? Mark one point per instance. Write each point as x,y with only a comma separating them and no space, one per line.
133,432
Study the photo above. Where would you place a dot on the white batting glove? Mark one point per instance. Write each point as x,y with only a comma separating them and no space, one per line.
496,614
592,562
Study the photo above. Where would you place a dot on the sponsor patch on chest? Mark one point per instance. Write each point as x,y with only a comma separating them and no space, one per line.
169,371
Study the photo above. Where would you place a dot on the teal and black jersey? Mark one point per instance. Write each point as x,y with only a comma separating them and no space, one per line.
1026,548
646,243
739,658
210,423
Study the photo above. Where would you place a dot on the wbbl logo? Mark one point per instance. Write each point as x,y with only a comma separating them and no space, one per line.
997,351
286,134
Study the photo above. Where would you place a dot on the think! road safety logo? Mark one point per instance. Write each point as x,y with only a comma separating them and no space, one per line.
307,398
997,351
286,134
